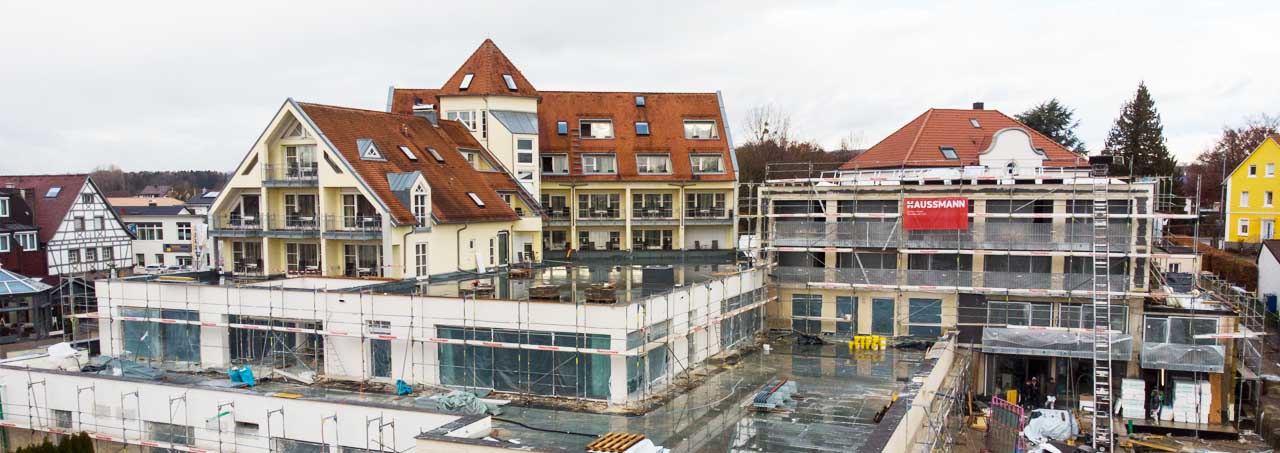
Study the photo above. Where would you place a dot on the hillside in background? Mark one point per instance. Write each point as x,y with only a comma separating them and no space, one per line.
185,183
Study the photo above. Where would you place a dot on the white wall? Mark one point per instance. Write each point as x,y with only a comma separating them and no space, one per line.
1268,273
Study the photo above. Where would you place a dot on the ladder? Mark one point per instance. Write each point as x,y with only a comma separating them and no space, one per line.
1101,305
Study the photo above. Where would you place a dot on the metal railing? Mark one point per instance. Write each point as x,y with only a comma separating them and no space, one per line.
1020,280
248,266
1183,357
645,212
990,236
604,213
236,222
291,172
939,277
944,278
705,213
369,222
304,222
560,213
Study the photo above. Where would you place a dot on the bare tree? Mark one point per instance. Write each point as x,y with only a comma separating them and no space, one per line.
767,122
1215,164
852,141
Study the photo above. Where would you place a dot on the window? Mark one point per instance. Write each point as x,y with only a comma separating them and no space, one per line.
562,127
707,163
421,206
73,255
4,207
974,122
421,258
555,164
595,128
524,176
1271,170
53,192
4,243
153,231
99,223
651,239
476,199
524,151
639,101
599,164
804,306
949,153
108,254
1253,171
1244,227
511,82
25,240
1020,314
924,318
61,418
642,128
1081,317
847,312
653,163
408,153
160,259
91,255
435,155
302,258
700,129
141,259
466,117
1179,330
184,231
466,81
1244,199
1266,199
78,223
173,434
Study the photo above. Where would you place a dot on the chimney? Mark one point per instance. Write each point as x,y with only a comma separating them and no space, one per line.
978,105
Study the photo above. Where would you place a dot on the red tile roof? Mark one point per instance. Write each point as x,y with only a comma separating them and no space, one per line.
450,181
48,212
918,143
403,99
665,113
487,65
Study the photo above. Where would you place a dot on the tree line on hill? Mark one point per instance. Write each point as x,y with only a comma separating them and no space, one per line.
185,183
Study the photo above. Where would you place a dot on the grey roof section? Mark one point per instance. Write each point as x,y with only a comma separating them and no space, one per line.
401,183
151,210
14,284
204,199
517,122
8,227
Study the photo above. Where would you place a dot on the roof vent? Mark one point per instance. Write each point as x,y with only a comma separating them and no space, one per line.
979,105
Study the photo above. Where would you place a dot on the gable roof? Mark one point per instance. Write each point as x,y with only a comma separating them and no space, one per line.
1273,137
48,212
1272,245
919,142
665,113
403,99
451,180
487,66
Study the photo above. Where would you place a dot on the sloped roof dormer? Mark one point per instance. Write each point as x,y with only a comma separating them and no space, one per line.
369,150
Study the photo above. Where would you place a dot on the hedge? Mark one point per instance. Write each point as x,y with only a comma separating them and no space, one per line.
1243,272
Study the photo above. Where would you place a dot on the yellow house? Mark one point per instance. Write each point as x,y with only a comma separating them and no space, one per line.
1252,209
338,191
624,170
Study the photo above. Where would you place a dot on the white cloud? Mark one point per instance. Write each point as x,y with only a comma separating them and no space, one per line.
170,85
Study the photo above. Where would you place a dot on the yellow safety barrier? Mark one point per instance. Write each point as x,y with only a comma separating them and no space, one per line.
869,342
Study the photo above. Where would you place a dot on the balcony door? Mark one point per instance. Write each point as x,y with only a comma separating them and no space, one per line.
245,213
300,161
357,212
300,209
362,260
882,317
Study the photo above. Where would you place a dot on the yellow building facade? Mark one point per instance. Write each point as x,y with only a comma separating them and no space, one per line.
1252,210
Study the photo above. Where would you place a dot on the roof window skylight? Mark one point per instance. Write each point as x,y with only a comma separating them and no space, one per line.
408,153
53,192
562,127
974,123
466,81
511,82
476,199
435,154
642,128
639,101
949,153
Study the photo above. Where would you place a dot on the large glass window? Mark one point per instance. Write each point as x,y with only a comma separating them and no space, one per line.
653,163
1019,314
847,311
599,164
170,342
806,306
555,164
701,129
707,163
1081,317
552,373
925,317
596,128
1179,330
149,231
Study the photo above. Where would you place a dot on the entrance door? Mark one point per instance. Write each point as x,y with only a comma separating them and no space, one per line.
504,246
1268,229
882,316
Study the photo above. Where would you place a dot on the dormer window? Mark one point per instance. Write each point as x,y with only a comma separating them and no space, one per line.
408,153
701,129
421,205
974,122
651,164
511,82
466,117
466,81
562,127
595,128
949,153
642,128
639,101
476,199
707,163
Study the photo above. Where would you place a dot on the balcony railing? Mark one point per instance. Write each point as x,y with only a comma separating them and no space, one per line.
357,223
939,277
1051,342
601,213
991,236
558,213
1183,357
1084,282
291,172
1019,280
646,212
856,276
944,278
237,222
705,213
299,222
248,266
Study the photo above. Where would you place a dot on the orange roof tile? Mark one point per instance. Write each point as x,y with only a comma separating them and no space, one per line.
450,180
487,66
919,142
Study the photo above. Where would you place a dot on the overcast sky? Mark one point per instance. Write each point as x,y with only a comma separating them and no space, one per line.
171,86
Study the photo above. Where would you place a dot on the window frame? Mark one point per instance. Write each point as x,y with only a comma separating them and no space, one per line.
4,243
1242,227
1270,170
523,154
715,129
645,125
4,206
694,167
1244,198
582,121
466,81
641,169
22,239
562,128
1253,170
553,157
1268,198
511,82
613,170
185,232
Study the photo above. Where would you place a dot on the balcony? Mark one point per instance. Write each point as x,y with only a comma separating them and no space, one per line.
293,226
944,278
236,226
251,266
1051,342
558,216
650,215
1025,236
1183,357
856,276
290,175
599,216
706,216
1084,282
1018,280
939,277
359,227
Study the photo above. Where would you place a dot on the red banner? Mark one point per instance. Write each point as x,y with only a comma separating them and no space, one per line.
950,213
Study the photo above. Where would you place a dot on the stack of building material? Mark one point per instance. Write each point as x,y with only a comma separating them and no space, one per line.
1133,398
1191,401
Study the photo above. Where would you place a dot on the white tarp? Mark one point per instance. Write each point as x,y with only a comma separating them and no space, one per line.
1050,424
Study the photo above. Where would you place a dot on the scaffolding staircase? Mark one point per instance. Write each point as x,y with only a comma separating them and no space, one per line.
1101,304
